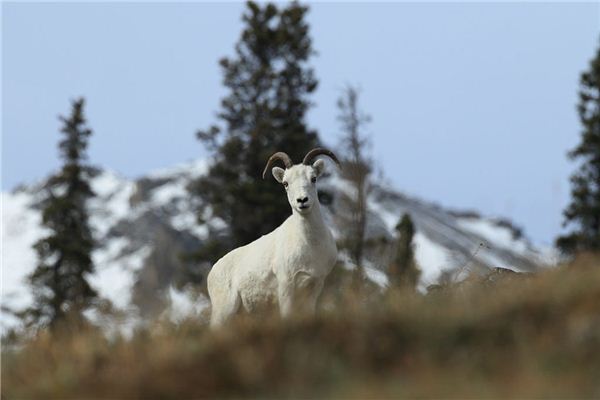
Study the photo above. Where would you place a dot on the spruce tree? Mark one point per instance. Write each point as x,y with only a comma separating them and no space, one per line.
356,168
59,281
584,210
268,82
404,272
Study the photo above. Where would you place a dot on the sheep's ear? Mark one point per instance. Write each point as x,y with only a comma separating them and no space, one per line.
278,173
319,167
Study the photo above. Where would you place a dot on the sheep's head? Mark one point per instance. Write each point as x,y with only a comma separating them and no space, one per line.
300,180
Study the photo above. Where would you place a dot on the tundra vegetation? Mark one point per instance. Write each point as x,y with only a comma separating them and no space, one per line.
504,335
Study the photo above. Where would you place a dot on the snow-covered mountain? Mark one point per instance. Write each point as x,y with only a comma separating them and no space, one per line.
145,226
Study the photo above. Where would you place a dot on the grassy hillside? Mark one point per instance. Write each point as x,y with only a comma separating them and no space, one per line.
507,335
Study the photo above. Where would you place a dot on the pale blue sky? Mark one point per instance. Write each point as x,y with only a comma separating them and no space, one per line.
473,104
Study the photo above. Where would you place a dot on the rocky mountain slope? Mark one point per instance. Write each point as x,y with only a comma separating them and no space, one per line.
145,228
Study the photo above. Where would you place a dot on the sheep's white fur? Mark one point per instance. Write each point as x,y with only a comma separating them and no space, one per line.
287,266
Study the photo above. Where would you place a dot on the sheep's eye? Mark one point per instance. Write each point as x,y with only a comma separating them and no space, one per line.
313,179
285,184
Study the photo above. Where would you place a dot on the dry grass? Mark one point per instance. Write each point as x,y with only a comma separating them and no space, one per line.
517,337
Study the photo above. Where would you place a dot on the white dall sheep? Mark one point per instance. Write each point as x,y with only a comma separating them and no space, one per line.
287,266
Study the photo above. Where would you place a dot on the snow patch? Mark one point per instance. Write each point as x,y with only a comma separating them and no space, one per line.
376,276
168,192
499,236
21,229
389,218
431,258
187,221
371,272
112,201
191,169
115,273
184,304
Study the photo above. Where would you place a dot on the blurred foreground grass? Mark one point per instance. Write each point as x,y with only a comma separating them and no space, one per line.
511,336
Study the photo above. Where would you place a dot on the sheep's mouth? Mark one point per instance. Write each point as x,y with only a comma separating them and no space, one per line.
304,207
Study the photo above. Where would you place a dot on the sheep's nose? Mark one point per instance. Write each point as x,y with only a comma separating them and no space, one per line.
302,200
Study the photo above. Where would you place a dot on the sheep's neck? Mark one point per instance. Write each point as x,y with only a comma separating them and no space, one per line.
310,223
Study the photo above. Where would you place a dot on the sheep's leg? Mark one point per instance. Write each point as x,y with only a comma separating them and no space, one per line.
311,301
285,294
222,311
307,291
300,294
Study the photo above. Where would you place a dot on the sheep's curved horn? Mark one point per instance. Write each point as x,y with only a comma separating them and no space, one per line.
317,152
280,155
